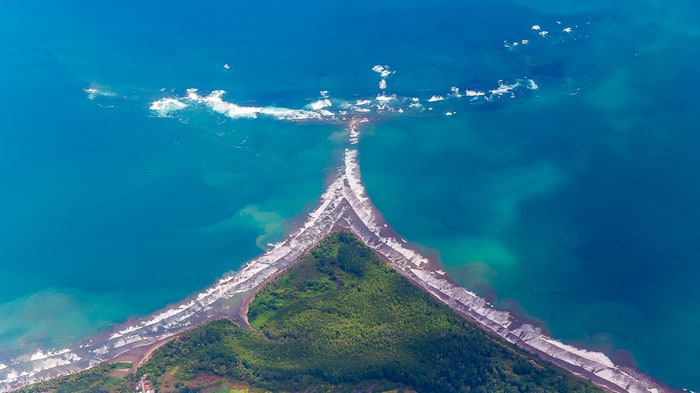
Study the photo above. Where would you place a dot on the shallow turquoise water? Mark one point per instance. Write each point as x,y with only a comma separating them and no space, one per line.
575,204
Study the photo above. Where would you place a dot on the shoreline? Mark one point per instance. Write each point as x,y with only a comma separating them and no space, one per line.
343,205
140,355
242,312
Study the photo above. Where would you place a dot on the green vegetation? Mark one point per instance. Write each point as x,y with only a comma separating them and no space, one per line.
94,380
342,320
121,365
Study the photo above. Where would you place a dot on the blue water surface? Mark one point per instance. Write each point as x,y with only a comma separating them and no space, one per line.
575,205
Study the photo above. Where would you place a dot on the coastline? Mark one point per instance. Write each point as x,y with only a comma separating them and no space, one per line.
344,205
139,355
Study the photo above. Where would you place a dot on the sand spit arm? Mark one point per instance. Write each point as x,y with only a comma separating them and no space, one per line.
344,205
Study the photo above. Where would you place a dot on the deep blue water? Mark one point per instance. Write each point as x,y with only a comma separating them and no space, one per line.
575,204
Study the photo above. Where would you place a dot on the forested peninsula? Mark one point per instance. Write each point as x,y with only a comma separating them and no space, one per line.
339,320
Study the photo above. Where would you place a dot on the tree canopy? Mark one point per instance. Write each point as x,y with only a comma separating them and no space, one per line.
342,320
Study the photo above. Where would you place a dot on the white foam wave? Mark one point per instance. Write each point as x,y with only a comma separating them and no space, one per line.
10,377
166,107
103,350
155,319
384,73
39,355
506,88
589,355
95,91
333,109
214,101
320,104
54,362
474,93
385,98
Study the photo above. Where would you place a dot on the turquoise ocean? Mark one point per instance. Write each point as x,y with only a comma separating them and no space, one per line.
574,203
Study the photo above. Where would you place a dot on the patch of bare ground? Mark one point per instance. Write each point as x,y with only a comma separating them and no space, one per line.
201,383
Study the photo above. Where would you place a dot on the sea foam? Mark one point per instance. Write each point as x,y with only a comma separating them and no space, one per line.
166,107
214,101
95,91
335,109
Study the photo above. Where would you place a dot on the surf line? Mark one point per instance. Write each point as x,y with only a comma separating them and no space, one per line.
344,205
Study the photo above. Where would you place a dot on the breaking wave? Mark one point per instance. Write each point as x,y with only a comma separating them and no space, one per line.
95,91
327,108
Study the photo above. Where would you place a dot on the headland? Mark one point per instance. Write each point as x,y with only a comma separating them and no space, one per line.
344,205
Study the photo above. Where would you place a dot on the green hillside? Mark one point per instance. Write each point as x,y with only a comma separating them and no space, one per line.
340,320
